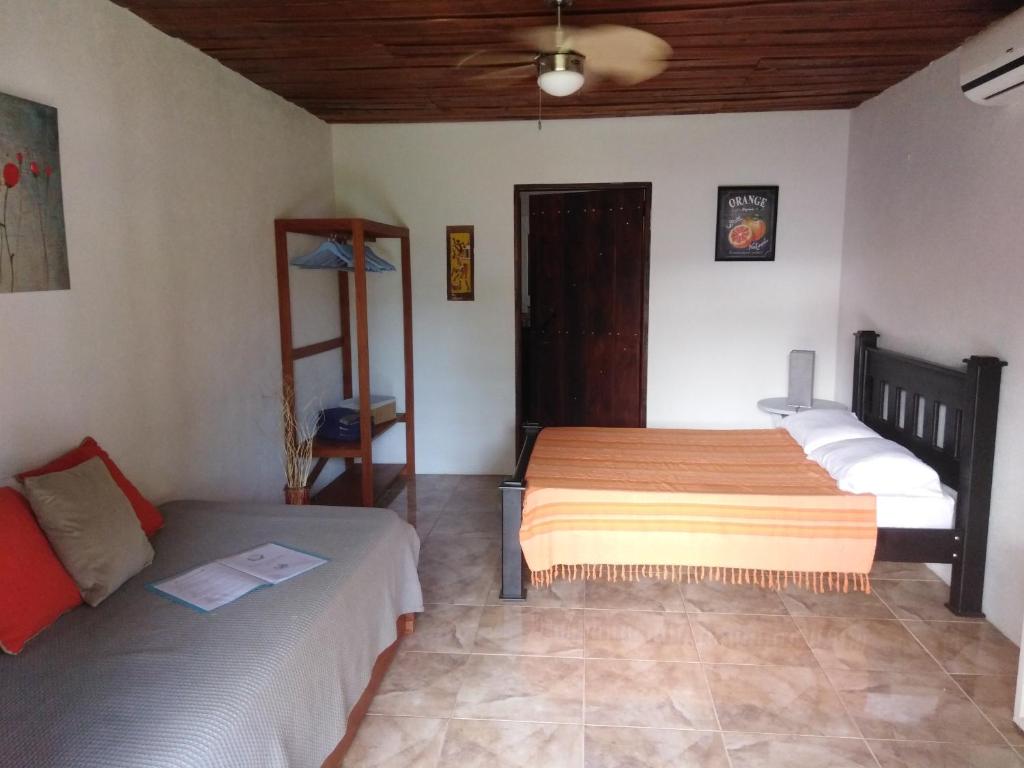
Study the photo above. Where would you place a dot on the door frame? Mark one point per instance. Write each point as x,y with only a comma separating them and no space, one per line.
645,251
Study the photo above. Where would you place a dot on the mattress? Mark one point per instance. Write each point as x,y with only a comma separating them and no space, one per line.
917,511
740,500
268,680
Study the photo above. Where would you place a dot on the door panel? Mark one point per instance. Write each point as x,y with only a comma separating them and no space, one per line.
583,351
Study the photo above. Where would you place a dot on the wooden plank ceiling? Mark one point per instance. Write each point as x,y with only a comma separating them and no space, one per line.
353,61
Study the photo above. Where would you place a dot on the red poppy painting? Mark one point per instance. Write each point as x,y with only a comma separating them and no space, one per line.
33,250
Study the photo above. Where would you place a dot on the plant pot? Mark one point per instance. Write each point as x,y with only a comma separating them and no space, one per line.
296,495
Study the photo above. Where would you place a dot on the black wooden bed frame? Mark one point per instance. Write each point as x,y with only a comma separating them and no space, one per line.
946,416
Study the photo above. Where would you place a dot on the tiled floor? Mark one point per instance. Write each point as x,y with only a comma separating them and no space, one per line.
654,674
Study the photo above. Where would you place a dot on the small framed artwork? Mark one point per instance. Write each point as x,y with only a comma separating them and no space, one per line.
745,225
33,251
460,263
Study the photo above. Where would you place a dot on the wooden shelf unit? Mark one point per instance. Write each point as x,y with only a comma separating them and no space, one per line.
358,231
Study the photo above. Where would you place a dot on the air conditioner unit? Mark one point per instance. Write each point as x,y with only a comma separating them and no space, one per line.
992,63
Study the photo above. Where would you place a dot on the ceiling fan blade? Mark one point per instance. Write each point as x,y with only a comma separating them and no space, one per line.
624,54
508,73
546,39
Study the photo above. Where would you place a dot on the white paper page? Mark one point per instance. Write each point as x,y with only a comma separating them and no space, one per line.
273,563
210,586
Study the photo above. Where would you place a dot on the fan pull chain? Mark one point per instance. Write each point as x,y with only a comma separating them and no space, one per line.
540,109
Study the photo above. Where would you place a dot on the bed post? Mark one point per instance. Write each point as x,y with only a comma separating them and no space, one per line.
861,391
513,586
977,451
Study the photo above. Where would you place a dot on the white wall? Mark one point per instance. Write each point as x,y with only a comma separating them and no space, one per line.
932,260
719,333
166,347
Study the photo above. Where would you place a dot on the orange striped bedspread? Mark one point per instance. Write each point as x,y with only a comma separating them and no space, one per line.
683,503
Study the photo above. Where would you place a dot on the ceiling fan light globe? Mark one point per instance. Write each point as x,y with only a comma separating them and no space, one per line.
560,82
560,74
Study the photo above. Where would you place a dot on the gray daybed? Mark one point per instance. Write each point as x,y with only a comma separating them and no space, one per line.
268,680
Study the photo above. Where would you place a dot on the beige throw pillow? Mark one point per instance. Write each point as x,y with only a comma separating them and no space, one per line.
91,526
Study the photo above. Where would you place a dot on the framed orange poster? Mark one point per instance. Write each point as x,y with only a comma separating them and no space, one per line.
460,263
745,229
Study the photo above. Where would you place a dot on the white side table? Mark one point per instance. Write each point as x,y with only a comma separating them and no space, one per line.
780,409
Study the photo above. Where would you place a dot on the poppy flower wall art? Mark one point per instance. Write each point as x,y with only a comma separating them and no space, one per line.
33,251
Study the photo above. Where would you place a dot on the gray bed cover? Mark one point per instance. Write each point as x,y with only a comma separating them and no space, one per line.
264,682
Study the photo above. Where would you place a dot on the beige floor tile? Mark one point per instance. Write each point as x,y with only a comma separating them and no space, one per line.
470,522
994,694
420,685
397,742
902,572
653,694
750,750
480,487
521,688
458,586
917,599
975,648
438,481
734,639
608,747
642,595
494,744
652,635
915,754
912,706
530,631
443,628
479,483
561,594
852,605
458,550
458,569
423,497
792,700
423,520
866,644
475,495
717,597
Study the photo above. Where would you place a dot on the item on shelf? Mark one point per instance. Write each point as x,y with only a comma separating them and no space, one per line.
382,408
801,378
334,254
339,425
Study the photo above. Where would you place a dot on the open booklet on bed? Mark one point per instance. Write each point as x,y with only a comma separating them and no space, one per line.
218,583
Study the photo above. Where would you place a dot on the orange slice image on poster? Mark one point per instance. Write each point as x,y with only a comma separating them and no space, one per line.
757,229
740,236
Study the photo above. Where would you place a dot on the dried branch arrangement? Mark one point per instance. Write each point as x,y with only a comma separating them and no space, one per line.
299,434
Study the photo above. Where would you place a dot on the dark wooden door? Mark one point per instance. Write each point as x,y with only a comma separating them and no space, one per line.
584,347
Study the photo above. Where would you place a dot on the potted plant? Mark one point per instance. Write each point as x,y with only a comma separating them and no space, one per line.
299,436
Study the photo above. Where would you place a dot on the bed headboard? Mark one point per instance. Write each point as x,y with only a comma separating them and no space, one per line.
947,416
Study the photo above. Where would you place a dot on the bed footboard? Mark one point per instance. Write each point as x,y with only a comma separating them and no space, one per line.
512,489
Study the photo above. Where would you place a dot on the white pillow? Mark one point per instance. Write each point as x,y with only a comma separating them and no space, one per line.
817,427
877,466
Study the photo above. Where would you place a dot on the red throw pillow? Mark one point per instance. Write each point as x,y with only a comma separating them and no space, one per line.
149,516
34,587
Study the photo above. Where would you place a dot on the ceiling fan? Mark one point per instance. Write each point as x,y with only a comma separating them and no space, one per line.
567,57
